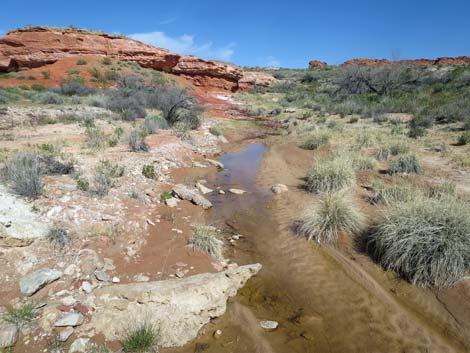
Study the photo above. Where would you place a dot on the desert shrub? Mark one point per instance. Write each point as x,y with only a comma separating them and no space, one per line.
363,163
127,102
353,119
99,101
315,140
83,184
49,165
141,339
81,62
95,137
385,152
49,98
74,88
334,214
445,189
59,237
21,315
426,241
154,123
204,238
148,171
165,195
24,172
46,75
391,194
73,72
115,137
105,173
417,131
37,87
216,130
24,87
464,139
106,61
330,175
405,163
135,141
363,139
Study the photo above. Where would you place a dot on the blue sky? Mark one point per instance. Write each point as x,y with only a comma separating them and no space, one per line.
267,33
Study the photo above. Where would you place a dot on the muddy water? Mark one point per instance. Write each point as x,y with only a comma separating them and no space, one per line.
323,299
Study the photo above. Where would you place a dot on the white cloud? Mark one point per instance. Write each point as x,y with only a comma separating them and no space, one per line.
186,44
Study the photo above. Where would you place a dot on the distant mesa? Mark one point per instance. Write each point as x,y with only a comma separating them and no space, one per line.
459,60
38,46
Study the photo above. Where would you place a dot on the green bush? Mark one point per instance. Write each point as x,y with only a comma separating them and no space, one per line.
105,173
148,171
95,137
204,238
81,62
315,140
23,170
334,214
154,123
83,184
37,87
464,139
165,195
141,339
135,141
216,130
46,75
330,175
427,241
406,163
21,315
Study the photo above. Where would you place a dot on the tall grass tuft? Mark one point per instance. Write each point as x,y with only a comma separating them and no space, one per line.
316,140
204,238
405,163
330,175
334,214
23,170
142,339
426,241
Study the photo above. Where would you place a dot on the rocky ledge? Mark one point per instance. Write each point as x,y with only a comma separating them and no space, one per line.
39,46
179,307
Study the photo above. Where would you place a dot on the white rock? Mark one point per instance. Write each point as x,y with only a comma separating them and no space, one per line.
70,319
221,192
34,281
269,324
65,334
69,300
8,335
171,202
215,163
86,287
203,189
116,280
279,188
79,345
71,270
237,191
141,278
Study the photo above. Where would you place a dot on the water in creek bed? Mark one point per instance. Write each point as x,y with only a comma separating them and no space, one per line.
323,301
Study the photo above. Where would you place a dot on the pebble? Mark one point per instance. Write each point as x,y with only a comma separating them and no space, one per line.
116,280
8,335
279,188
102,276
179,274
65,334
217,334
86,287
221,192
71,319
237,191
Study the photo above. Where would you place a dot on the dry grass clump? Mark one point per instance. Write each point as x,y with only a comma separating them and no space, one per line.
23,170
316,140
405,163
361,163
330,175
204,238
391,194
334,214
426,241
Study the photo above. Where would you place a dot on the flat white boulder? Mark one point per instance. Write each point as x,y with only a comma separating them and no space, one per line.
178,307
17,220
34,281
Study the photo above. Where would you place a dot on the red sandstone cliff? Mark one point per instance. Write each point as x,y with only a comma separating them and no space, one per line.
439,61
38,46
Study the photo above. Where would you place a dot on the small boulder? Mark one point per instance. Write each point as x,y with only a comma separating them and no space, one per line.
171,202
237,191
65,334
80,345
269,324
34,281
290,110
102,276
203,189
215,163
190,194
8,335
71,319
279,188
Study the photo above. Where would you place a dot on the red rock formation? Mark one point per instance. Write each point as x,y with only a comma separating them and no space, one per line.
38,46
439,61
315,64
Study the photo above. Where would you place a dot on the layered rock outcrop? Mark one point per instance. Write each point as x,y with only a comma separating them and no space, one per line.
439,61
37,46
315,64
252,79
